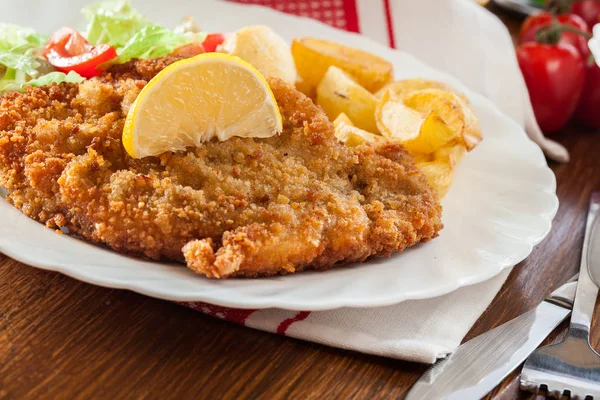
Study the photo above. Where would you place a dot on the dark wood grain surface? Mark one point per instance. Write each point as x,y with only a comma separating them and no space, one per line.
60,338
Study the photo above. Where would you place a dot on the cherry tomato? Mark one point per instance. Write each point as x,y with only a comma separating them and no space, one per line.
68,51
544,19
588,111
189,50
588,10
212,41
554,75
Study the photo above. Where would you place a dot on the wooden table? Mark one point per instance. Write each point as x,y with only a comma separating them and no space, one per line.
61,338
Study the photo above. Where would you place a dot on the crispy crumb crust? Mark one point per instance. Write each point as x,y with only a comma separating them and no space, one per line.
243,207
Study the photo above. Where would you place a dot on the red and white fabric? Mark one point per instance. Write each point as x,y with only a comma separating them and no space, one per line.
416,330
465,40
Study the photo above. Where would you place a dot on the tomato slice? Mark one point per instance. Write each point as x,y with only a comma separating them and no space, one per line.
212,41
189,50
68,51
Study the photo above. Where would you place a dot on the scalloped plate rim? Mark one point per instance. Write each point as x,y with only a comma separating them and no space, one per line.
376,300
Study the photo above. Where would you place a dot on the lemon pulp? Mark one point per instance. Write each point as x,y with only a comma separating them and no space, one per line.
193,100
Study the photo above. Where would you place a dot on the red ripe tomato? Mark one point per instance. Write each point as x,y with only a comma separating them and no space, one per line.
588,10
588,111
212,41
554,74
189,50
544,19
68,51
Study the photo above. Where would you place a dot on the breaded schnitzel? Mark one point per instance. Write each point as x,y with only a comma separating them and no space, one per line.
242,207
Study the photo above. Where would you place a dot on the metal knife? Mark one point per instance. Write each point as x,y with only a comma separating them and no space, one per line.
480,364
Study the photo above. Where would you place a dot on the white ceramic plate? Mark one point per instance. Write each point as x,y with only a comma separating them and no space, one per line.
501,204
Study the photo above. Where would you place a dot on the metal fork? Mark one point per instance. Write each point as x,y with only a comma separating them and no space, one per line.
572,367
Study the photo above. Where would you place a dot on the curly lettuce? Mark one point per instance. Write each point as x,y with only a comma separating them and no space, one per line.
113,22
20,58
19,38
134,36
156,41
45,80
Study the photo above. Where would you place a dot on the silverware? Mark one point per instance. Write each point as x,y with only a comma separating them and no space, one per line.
573,367
480,364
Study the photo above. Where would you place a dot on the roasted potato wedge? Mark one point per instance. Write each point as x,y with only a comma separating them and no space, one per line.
438,173
342,118
304,87
395,120
353,136
434,133
439,166
339,93
445,105
460,117
472,133
260,46
419,132
455,151
313,58
406,86
422,158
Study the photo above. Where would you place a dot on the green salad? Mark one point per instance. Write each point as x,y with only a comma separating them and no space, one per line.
115,33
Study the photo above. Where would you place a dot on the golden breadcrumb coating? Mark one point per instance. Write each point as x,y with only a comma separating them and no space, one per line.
242,207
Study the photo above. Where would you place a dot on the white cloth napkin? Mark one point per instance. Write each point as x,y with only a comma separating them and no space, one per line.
417,330
594,43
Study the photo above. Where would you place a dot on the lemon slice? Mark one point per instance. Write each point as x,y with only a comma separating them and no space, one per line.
193,100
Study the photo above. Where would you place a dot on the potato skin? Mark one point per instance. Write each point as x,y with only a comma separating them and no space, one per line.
313,58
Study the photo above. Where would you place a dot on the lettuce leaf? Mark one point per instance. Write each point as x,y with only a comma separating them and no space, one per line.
113,22
26,63
48,79
155,41
19,38
18,48
20,59
117,23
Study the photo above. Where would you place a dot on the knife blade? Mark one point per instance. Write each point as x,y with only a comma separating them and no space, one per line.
479,365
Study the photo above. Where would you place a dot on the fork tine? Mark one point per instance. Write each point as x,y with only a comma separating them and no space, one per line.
571,366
